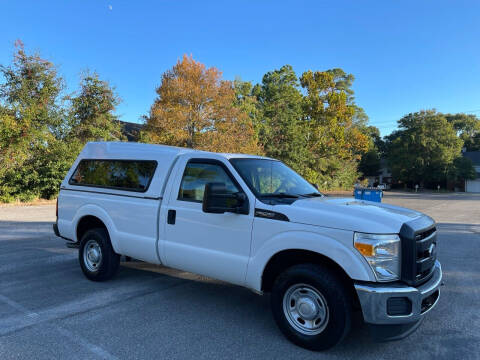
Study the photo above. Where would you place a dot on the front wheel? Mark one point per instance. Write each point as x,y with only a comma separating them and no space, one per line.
96,256
311,306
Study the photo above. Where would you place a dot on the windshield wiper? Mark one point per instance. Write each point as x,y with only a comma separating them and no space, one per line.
280,196
314,194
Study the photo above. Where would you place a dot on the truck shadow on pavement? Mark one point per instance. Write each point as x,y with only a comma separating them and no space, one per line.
234,308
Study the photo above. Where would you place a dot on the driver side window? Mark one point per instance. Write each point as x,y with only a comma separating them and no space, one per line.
197,175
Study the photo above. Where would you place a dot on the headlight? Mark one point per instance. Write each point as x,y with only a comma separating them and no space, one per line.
382,252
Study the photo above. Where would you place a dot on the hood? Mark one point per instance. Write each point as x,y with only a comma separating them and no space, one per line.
349,214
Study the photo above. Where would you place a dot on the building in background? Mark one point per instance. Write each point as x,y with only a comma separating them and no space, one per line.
473,186
383,178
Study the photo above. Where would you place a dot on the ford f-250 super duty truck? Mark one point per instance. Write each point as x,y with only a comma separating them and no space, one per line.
254,222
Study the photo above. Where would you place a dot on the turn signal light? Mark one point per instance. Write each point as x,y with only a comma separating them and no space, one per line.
365,249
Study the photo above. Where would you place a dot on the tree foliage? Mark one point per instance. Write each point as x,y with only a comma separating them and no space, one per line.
467,128
92,112
282,131
424,148
195,108
319,131
29,107
41,129
370,162
248,104
310,122
30,113
334,140
463,169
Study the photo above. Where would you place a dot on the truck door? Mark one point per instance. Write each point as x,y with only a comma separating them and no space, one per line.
215,245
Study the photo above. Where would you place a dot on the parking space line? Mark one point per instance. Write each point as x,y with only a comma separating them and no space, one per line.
76,338
97,301
18,307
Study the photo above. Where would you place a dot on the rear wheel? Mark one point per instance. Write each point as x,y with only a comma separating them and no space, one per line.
311,306
96,256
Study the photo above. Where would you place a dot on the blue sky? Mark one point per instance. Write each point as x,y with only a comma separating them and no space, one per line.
405,55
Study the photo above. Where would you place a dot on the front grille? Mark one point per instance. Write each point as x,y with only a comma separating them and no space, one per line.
425,234
426,253
419,252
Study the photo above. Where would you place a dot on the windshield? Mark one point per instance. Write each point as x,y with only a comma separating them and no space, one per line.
272,179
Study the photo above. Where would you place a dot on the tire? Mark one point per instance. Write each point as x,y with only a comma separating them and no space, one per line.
315,295
102,262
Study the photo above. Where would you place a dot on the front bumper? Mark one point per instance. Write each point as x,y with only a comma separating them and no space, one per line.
379,302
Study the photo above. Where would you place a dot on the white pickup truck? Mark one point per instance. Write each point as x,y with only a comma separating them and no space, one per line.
254,222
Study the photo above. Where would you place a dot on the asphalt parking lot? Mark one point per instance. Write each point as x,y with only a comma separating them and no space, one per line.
48,309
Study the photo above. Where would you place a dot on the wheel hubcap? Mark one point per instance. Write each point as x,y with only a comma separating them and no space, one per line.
92,255
306,309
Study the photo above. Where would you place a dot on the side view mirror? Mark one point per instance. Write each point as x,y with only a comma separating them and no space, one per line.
217,200
314,185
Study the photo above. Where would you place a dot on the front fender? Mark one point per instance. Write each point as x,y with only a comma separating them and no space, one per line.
97,211
347,258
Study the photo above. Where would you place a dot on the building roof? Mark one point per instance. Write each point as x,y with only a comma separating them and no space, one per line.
131,130
474,156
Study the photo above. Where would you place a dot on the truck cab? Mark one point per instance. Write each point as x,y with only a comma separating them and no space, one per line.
252,221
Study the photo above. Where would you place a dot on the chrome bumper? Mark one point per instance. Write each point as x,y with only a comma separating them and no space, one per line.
374,296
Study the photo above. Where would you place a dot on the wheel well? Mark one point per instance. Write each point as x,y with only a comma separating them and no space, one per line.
88,222
287,258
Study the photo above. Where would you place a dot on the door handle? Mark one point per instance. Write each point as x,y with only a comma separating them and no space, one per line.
171,217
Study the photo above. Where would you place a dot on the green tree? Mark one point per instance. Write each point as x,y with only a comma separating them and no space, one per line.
424,148
281,128
40,136
463,169
467,128
248,104
336,142
343,82
92,112
31,117
370,161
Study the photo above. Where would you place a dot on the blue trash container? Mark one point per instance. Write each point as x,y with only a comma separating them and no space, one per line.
358,193
369,194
